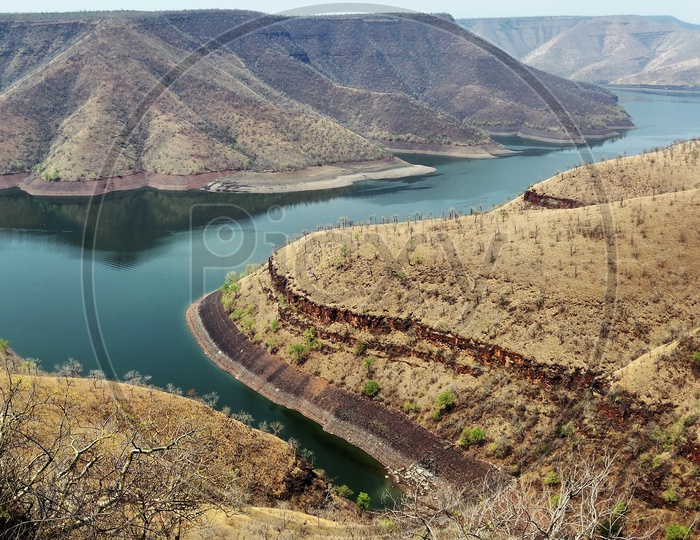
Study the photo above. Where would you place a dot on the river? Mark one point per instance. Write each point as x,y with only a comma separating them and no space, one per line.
154,252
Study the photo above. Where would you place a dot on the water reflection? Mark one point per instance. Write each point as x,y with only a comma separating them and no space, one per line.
132,226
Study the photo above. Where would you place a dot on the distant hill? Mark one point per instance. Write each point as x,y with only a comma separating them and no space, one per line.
622,50
294,94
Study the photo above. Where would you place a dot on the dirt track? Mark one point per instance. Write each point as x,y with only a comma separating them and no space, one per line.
385,434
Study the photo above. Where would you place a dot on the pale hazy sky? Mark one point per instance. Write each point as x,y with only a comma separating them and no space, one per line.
687,10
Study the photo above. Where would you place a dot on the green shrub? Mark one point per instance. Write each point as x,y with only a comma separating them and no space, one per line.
360,348
343,491
241,312
52,176
552,479
567,430
298,352
271,345
471,436
363,500
610,529
410,407
248,325
695,359
310,335
371,388
444,403
670,496
275,325
368,364
4,344
676,532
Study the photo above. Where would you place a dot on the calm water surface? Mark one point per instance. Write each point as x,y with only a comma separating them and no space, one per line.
155,252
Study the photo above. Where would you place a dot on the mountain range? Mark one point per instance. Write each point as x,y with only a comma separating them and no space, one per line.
96,95
622,50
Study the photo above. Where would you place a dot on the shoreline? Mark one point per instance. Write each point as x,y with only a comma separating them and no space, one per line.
313,178
481,151
316,178
529,135
385,434
656,89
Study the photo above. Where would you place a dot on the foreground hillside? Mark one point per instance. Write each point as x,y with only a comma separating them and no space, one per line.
86,458
82,96
522,333
659,52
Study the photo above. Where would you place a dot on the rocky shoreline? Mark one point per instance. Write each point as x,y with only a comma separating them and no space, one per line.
387,435
313,178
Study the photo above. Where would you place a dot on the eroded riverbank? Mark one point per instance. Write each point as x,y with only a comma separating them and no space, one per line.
383,433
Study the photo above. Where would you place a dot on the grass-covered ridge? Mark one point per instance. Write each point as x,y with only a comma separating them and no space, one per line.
499,330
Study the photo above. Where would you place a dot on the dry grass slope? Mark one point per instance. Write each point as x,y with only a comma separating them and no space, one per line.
510,312
209,470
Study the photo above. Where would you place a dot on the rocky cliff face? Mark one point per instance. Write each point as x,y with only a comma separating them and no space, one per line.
487,354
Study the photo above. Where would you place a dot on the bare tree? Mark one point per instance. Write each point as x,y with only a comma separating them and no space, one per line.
585,502
63,476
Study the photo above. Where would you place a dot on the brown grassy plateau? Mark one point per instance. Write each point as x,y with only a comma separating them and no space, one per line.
552,329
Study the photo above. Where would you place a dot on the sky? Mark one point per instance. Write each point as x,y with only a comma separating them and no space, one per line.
686,10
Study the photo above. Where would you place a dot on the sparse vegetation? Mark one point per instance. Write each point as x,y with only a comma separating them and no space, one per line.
150,466
343,491
670,496
552,479
272,133
444,403
410,407
695,359
368,363
676,532
480,335
298,352
363,501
